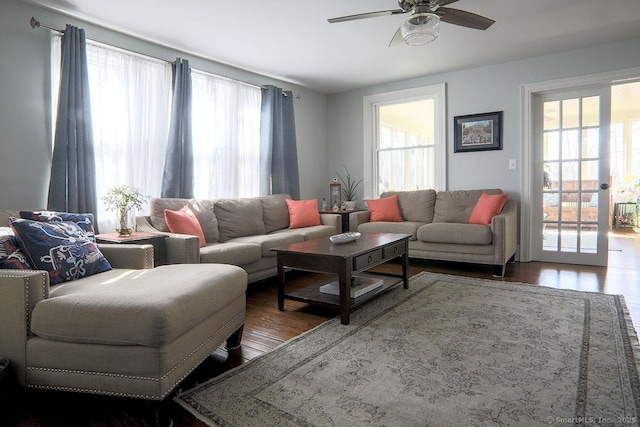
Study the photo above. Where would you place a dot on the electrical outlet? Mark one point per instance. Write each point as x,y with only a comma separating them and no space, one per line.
513,164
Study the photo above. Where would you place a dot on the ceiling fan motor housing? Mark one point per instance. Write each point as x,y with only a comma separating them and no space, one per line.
408,5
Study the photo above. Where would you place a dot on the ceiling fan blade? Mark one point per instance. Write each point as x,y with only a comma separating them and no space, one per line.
464,18
397,39
441,3
366,15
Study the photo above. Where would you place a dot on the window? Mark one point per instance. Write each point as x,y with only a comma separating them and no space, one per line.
405,146
130,108
226,137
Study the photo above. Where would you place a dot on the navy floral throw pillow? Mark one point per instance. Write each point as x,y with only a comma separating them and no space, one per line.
62,248
83,220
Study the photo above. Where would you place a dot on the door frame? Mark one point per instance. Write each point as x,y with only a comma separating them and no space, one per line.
527,93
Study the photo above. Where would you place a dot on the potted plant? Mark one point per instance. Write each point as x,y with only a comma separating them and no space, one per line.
122,200
349,186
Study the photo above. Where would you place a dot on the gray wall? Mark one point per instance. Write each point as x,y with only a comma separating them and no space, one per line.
25,113
478,90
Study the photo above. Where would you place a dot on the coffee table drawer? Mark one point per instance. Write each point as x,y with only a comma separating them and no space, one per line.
392,251
367,259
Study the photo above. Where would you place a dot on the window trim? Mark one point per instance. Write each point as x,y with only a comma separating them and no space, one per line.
371,104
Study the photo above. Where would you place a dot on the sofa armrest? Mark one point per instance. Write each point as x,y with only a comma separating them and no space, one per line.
128,256
357,218
504,228
332,219
180,248
20,291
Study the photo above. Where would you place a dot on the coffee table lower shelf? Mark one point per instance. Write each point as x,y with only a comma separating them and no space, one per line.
312,295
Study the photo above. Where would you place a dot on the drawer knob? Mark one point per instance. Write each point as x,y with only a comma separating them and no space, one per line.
369,259
395,250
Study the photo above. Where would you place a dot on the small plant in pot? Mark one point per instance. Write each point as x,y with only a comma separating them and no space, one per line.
349,186
122,200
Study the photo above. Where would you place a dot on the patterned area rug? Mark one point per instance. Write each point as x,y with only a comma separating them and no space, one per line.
449,351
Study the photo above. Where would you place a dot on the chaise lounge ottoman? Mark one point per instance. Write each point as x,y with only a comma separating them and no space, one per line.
124,332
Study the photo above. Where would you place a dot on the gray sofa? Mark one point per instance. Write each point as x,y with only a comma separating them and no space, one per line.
133,331
438,225
240,231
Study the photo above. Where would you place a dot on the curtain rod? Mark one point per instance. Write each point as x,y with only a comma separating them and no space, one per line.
36,24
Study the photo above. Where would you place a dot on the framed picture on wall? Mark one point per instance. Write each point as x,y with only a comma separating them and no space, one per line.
477,132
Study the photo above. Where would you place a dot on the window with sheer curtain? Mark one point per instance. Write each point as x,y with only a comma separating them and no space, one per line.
130,107
226,137
130,102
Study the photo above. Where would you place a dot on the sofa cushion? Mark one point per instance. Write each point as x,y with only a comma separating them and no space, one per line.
415,205
83,220
149,307
488,206
275,213
460,234
303,213
239,217
230,253
456,206
404,227
157,207
269,241
384,209
184,221
61,248
11,256
204,211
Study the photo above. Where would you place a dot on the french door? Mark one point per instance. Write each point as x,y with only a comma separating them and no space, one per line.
570,187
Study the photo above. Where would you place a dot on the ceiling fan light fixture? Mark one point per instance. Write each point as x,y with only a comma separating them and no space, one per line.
420,28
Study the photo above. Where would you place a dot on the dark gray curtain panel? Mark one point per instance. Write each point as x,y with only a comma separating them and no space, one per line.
278,151
177,179
72,185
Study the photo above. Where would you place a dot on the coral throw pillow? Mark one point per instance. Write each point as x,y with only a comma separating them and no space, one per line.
385,209
303,213
184,221
488,206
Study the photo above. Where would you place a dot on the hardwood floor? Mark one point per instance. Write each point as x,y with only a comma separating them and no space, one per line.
266,328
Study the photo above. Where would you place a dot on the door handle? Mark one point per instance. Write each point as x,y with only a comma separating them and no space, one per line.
604,186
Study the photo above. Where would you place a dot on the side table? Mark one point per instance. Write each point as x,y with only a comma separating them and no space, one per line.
344,216
138,238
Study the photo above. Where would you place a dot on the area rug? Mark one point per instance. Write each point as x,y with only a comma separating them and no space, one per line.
449,351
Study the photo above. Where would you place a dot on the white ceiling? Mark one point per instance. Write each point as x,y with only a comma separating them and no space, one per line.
291,39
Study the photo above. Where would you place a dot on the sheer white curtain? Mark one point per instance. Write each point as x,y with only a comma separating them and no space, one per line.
130,101
226,137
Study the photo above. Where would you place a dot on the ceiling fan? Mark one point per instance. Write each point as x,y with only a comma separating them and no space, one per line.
424,22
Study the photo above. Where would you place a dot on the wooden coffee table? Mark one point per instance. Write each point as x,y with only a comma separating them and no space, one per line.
343,260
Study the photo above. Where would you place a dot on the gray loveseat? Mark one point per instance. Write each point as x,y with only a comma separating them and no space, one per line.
438,225
240,231
133,331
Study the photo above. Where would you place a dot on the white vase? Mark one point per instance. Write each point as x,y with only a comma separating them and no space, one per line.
350,205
